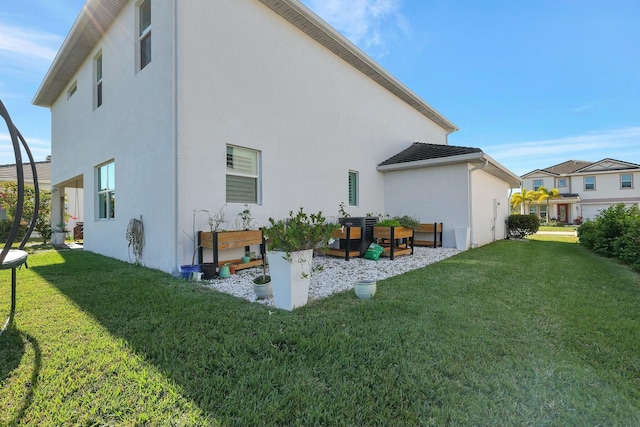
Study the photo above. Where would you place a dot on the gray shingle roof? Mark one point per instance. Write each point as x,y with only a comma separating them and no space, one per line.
8,172
423,151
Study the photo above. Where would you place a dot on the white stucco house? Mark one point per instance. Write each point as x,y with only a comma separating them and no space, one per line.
176,106
585,188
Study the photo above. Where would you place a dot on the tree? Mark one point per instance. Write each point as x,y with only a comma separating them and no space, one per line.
9,201
522,198
544,194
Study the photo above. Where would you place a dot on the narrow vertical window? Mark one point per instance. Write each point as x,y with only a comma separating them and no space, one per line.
626,180
98,88
107,191
72,89
353,188
144,33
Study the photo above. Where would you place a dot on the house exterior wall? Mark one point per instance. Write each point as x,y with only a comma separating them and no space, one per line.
260,83
133,127
490,209
434,194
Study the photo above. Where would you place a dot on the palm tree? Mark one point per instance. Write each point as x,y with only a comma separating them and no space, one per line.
522,198
544,194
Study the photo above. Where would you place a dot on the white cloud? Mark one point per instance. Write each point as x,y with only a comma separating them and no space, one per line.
367,23
23,42
522,157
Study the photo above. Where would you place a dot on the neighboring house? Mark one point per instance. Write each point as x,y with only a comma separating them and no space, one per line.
71,198
585,188
177,106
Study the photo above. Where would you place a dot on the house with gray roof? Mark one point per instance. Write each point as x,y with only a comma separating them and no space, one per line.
585,188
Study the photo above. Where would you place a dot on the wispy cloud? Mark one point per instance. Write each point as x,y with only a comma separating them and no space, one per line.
39,148
522,157
584,107
367,23
28,43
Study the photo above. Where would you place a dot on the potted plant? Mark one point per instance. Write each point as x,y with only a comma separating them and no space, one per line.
215,220
262,284
290,245
187,269
59,234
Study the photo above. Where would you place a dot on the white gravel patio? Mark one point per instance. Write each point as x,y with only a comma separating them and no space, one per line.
336,275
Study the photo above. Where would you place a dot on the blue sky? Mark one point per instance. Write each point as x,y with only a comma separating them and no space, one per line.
531,82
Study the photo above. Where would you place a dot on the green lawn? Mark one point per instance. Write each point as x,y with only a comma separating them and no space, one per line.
514,333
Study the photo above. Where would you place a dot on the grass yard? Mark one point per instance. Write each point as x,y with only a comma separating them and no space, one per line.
522,332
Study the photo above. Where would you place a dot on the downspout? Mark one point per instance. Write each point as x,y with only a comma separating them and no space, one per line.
176,164
470,201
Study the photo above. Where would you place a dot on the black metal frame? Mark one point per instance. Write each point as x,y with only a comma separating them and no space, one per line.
18,144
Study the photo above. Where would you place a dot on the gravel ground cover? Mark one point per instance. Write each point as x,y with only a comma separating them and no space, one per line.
332,274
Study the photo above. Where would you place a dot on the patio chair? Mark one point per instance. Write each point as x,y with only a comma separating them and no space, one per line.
13,258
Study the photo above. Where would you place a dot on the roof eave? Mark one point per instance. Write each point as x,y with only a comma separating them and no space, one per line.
92,21
440,161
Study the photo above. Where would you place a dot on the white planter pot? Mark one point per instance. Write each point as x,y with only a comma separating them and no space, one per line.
365,289
57,238
290,278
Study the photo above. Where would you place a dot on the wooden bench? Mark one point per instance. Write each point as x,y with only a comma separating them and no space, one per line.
222,240
435,234
346,234
395,240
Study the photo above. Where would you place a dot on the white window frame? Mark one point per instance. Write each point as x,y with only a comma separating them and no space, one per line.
236,173
353,175
622,181
98,69
562,182
541,181
586,183
107,192
144,35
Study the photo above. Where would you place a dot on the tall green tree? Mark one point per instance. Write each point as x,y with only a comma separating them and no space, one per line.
522,198
548,195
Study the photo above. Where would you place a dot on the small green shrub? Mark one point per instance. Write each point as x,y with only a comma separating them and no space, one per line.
5,229
523,225
400,221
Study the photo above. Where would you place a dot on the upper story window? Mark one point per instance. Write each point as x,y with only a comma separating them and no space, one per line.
144,33
562,182
353,188
97,65
626,180
537,183
589,182
242,175
107,190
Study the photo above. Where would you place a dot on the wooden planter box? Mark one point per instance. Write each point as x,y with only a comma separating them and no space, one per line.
346,234
433,236
222,240
395,240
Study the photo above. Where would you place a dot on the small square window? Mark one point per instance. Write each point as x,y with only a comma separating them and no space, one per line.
242,182
589,182
562,182
72,89
537,183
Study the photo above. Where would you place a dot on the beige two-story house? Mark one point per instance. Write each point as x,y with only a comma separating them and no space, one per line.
585,188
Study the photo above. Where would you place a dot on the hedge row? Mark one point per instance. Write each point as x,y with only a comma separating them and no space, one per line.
615,232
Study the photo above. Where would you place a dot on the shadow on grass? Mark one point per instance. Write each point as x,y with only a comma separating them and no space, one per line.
203,340
13,345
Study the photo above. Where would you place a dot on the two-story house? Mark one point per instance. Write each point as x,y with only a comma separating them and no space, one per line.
585,188
176,106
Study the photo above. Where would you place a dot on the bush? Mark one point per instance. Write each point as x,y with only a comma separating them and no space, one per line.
523,225
5,229
614,232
